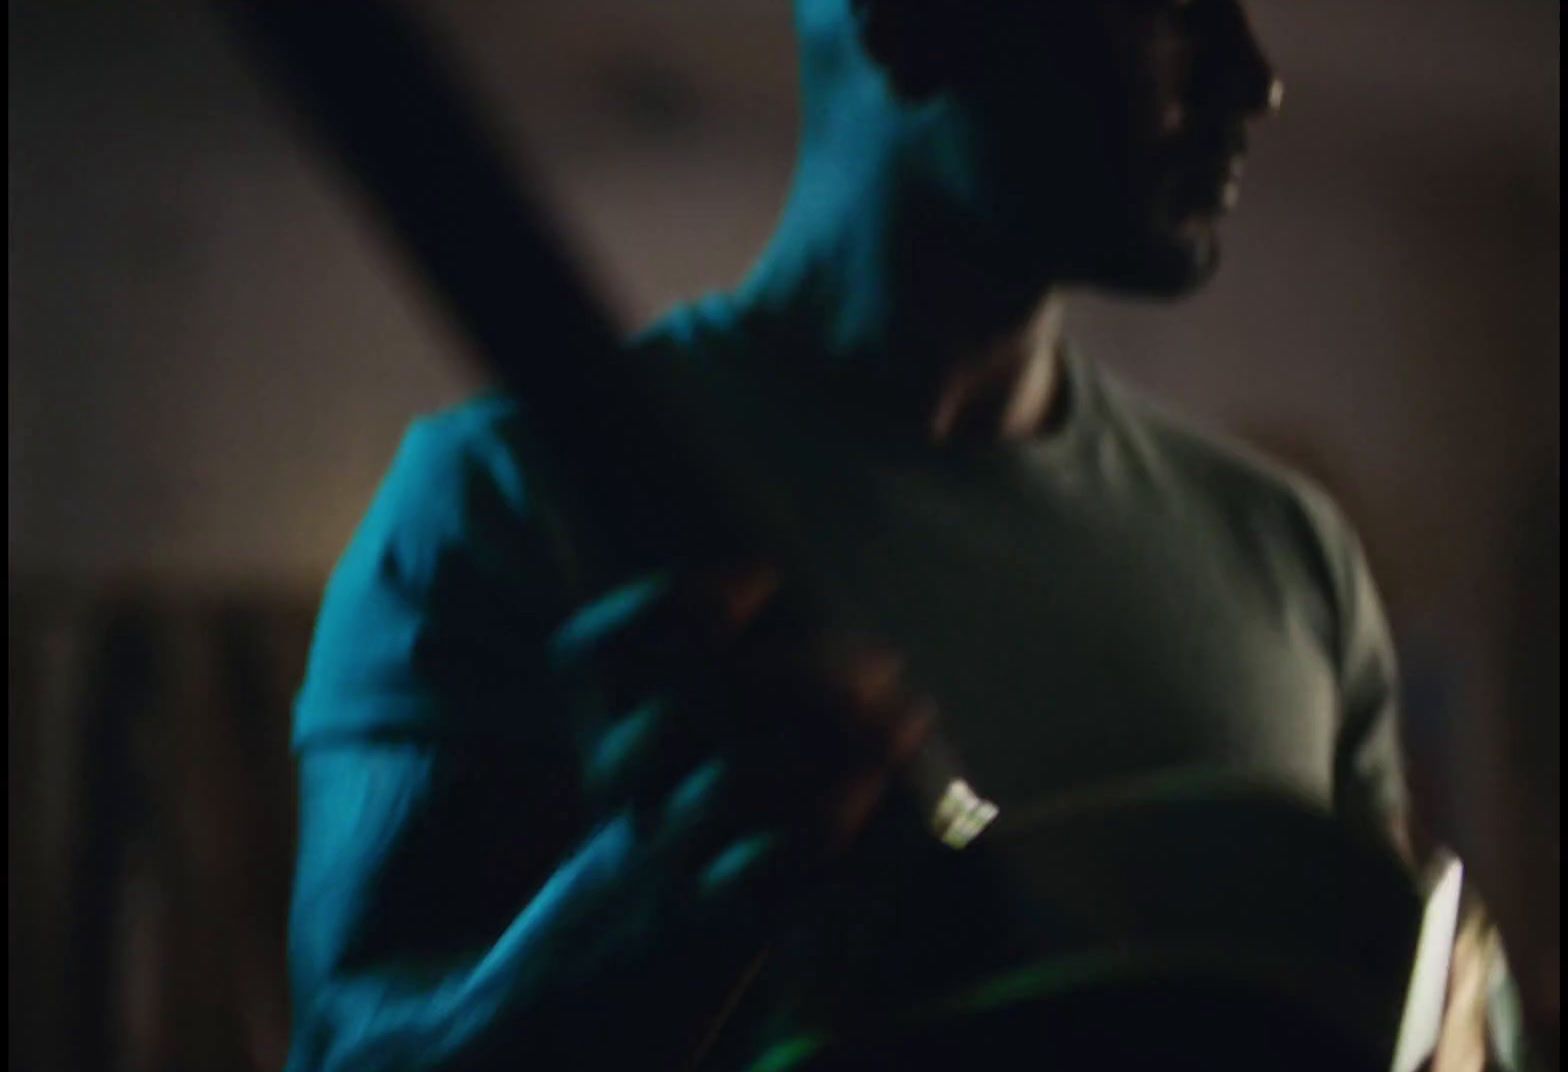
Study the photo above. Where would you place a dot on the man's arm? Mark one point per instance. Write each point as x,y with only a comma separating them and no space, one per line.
1370,791
408,942
437,775
1369,772
453,906
456,903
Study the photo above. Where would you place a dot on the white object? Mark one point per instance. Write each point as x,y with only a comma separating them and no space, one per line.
1422,1021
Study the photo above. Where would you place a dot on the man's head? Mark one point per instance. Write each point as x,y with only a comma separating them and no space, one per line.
1092,142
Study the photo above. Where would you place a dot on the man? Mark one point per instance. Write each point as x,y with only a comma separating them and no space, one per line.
539,835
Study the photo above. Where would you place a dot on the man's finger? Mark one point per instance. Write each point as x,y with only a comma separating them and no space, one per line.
640,756
659,629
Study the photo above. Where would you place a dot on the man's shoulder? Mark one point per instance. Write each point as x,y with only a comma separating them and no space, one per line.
485,416
1203,460
478,459
477,432
1277,516
452,553
455,468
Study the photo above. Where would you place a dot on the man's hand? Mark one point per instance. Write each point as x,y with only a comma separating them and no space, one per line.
742,751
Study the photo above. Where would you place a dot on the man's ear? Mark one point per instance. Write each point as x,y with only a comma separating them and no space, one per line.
920,45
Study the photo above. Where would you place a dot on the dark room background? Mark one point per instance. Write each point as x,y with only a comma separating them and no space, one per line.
212,360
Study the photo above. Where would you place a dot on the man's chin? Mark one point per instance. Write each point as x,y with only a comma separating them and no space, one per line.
1161,263
1169,265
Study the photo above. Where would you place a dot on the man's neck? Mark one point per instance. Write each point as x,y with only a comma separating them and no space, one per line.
892,300
1006,393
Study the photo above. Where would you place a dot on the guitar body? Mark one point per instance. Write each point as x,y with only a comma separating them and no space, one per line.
1205,924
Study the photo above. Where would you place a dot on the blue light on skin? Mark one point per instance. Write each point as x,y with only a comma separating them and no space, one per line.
603,617
737,861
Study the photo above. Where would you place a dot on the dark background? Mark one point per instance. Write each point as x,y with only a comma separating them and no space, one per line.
212,360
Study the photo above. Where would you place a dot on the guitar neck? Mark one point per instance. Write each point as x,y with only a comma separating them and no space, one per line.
378,92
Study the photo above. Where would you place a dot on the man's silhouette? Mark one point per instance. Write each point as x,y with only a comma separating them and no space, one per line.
538,835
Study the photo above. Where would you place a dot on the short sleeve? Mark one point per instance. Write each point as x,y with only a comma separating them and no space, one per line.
1369,776
436,617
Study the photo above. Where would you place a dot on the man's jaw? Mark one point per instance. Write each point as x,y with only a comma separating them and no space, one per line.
1168,264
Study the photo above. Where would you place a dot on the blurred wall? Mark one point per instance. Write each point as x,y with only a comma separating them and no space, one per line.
212,359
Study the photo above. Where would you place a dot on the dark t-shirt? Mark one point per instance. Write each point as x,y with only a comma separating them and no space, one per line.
1119,603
